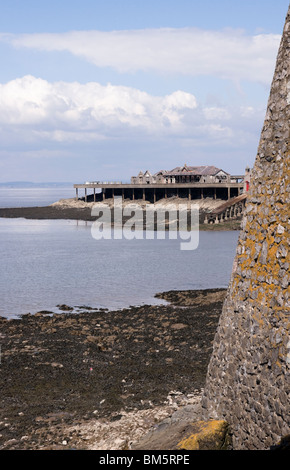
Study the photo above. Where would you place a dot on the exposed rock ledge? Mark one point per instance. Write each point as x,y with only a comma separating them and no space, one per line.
103,379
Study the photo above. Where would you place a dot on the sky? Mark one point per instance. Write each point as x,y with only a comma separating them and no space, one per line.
97,90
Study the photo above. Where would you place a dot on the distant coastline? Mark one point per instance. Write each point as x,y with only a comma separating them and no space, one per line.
31,184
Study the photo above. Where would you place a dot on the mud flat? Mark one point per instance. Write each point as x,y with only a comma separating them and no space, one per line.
70,209
48,212
101,379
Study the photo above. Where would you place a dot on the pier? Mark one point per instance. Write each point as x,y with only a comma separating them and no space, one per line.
191,183
231,209
153,192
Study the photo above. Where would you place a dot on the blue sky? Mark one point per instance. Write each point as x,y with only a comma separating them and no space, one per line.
97,90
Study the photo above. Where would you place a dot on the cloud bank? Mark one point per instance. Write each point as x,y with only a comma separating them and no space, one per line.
35,110
107,125
91,109
227,54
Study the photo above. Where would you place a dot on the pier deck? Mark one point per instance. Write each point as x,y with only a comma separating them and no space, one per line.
156,191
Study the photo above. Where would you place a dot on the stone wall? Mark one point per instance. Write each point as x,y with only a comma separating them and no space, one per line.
248,376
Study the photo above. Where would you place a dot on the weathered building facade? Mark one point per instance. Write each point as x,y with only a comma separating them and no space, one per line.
184,174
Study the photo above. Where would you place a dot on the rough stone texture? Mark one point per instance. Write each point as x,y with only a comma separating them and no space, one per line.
99,380
185,431
248,375
208,435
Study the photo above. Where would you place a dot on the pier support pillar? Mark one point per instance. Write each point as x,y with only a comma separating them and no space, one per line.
86,197
77,194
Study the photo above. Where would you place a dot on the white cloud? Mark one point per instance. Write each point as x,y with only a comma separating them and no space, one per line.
75,112
214,113
229,54
51,122
36,115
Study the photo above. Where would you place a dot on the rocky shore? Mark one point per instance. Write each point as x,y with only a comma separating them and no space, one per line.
48,212
101,379
69,209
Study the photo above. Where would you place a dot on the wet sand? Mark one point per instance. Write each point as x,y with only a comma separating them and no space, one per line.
66,378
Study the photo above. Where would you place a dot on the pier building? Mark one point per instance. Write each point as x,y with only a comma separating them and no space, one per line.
189,182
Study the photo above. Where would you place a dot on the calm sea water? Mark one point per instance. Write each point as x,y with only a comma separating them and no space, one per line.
29,197
47,263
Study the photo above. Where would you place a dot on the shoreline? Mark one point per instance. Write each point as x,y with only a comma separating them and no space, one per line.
102,379
81,211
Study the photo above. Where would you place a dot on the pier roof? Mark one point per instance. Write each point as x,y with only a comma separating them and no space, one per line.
207,170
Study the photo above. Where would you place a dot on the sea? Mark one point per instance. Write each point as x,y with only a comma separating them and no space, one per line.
48,263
